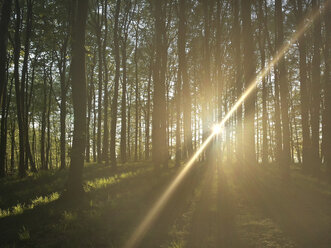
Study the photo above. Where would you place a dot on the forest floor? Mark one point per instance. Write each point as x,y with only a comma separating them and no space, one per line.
217,205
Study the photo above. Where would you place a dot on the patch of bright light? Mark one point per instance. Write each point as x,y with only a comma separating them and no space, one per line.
217,128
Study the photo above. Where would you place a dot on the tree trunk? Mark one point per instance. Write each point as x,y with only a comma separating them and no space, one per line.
78,96
99,155
63,108
148,113
238,78
178,115
4,22
262,40
249,73
137,114
316,94
188,149
89,112
4,129
116,82
43,125
123,104
283,85
303,93
19,100
327,138
159,137
106,92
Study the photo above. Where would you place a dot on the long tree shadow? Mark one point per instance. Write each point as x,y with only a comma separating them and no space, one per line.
16,191
161,233
301,211
103,218
227,235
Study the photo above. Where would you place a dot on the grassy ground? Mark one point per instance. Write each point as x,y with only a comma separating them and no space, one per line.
217,205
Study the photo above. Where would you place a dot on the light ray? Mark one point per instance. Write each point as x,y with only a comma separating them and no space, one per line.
153,213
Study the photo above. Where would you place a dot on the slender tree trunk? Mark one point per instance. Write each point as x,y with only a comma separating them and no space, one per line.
75,179
48,149
316,93
94,148
303,93
129,127
159,137
24,85
63,108
262,40
239,84
137,109
106,92
89,112
116,82
327,138
19,100
187,110
283,85
43,124
4,22
12,145
249,73
99,155
3,131
178,115
123,105
148,112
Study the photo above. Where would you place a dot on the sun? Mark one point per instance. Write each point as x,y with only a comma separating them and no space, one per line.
217,128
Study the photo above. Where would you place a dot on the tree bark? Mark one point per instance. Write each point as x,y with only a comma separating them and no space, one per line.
249,74
239,84
316,93
327,138
303,92
78,96
283,85
106,92
116,82
4,22
159,137
186,91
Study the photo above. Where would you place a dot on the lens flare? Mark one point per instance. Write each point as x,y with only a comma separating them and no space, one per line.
156,209
217,128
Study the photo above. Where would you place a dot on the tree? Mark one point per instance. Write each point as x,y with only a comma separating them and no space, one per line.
78,81
116,83
159,141
182,67
4,22
303,91
238,77
316,94
327,138
283,85
249,75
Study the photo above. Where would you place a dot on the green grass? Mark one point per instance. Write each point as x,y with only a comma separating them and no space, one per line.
215,206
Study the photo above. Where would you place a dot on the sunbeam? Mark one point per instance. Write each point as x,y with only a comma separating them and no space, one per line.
156,209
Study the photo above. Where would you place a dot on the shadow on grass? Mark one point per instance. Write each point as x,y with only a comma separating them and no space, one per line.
299,207
104,218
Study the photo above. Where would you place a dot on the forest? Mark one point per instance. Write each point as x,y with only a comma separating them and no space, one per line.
165,123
